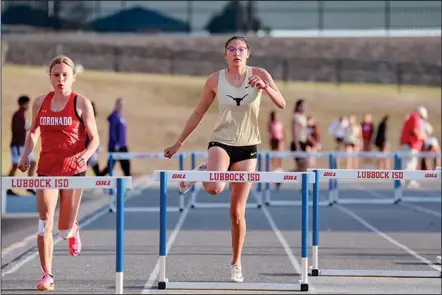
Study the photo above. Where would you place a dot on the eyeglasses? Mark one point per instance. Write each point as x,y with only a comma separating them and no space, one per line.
232,49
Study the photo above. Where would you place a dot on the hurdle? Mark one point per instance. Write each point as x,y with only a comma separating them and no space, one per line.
141,155
163,176
397,195
87,182
283,154
333,182
398,185
363,175
194,192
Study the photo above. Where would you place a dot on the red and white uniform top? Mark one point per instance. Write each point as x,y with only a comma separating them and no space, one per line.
63,137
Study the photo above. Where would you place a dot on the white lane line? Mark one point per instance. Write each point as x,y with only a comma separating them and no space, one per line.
153,276
86,222
421,209
387,237
56,241
411,206
284,244
282,240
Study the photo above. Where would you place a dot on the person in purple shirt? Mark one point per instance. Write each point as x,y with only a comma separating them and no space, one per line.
117,137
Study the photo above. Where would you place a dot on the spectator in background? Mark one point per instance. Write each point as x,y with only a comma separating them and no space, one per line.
314,139
381,142
117,137
299,134
352,141
431,145
367,127
337,130
19,129
276,132
412,140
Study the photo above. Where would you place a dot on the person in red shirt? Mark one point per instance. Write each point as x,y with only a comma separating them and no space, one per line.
61,118
19,129
367,127
412,139
276,134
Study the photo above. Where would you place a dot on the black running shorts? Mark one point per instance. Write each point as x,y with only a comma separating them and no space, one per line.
237,153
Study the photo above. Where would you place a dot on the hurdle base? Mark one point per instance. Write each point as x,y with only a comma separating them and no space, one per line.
221,205
162,285
19,215
314,272
231,286
413,199
282,203
379,273
151,209
367,201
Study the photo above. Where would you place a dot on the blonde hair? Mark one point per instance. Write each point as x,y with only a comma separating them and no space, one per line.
62,59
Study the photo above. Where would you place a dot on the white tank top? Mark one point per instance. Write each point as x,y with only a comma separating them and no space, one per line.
352,134
238,110
302,130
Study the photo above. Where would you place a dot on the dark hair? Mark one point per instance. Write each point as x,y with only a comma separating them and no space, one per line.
272,116
93,107
385,118
298,104
236,38
24,99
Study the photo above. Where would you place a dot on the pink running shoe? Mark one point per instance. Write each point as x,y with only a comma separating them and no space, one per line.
75,243
46,283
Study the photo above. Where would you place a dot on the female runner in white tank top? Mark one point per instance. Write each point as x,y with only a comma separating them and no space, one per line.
233,144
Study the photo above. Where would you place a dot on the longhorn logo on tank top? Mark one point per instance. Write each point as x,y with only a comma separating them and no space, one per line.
237,99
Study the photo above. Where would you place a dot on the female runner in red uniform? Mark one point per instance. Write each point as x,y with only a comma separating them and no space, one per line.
62,118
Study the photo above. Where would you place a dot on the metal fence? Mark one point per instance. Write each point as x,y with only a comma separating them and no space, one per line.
271,15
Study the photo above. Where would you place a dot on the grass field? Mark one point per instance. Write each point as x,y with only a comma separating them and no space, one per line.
157,107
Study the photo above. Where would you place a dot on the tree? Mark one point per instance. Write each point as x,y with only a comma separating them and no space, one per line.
235,18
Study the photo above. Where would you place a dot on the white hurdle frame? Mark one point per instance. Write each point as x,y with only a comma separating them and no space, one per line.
334,191
397,193
194,192
399,197
268,156
364,175
236,176
115,156
87,182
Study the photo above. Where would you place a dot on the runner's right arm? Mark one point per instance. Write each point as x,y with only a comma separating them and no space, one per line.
34,132
201,109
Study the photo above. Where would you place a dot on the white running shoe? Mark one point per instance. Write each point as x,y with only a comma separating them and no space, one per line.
185,186
236,274
413,184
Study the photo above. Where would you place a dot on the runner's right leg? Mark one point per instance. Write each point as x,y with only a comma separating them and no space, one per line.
46,204
218,160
